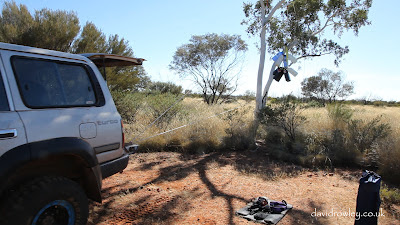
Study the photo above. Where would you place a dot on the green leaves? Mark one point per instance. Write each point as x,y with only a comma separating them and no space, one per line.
211,61
58,30
91,40
326,86
285,115
16,23
55,29
305,21
45,29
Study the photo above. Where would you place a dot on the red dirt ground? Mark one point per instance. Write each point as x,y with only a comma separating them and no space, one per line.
173,188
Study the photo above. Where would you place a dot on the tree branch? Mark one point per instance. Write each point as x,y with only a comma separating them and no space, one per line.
330,19
270,14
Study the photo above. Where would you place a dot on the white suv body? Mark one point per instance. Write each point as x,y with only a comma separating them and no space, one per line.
57,119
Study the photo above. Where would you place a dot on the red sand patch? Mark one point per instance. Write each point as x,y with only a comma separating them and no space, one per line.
171,188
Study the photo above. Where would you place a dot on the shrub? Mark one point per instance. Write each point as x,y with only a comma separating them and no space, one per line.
389,155
285,115
281,154
379,103
248,96
342,152
158,106
364,133
314,104
316,144
128,104
339,114
390,195
274,136
165,87
202,138
239,135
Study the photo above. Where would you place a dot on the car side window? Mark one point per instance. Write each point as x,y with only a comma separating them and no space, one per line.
45,83
3,97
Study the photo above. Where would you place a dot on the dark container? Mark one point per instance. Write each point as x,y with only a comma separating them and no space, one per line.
368,199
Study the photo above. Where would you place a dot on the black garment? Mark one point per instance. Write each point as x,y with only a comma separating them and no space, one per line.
279,72
368,199
287,78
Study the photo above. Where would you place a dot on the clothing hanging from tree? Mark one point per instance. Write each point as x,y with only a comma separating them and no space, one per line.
279,72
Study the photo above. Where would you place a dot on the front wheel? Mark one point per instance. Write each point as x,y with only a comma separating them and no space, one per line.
47,201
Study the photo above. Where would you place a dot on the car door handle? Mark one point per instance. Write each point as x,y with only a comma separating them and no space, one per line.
8,133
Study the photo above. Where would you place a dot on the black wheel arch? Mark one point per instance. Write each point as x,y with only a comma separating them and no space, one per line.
69,157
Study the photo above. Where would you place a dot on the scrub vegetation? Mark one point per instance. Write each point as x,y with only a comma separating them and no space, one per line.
337,135
296,135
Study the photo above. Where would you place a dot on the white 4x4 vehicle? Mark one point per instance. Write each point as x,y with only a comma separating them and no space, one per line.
60,134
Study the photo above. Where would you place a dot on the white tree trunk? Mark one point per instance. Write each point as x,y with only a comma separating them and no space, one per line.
261,69
259,97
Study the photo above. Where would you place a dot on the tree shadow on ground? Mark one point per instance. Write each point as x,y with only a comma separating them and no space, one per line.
299,216
258,163
244,162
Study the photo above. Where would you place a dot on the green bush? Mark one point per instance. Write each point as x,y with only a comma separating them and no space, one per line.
316,143
331,149
389,156
158,105
285,115
314,104
164,87
280,153
128,104
390,195
365,133
239,134
339,114
320,161
340,151
274,136
379,103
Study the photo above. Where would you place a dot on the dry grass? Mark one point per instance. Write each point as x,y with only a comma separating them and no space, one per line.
201,129
174,188
318,119
204,134
213,129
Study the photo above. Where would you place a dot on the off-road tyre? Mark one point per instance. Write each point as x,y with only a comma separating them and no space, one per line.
46,200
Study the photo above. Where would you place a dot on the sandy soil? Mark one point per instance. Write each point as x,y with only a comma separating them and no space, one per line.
173,188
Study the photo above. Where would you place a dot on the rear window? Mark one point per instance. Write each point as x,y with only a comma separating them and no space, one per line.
45,83
3,97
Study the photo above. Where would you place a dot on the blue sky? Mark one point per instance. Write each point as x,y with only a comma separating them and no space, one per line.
155,29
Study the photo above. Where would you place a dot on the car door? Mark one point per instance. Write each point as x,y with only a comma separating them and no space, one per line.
12,132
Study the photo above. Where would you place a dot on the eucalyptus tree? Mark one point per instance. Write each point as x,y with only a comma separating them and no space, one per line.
213,62
60,30
51,29
327,85
299,25
91,40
